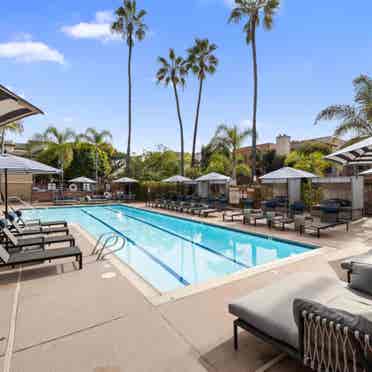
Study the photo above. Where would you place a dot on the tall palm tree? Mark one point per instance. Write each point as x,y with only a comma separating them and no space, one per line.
173,71
59,144
97,139
129,25
15,128
201,61
231,137
255,11
355,119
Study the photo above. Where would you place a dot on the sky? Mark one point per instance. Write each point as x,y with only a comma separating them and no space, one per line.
61,56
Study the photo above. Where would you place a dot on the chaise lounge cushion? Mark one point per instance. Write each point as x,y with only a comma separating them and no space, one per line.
365,258
361,277
270,309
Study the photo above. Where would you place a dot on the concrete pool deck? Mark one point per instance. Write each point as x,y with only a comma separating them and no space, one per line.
55,318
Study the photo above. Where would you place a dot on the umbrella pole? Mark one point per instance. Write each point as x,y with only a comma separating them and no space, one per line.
6,192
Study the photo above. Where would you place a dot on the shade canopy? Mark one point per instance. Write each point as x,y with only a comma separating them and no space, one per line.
213,178
286,173
359,153
126,180
17,164
82,180
177,179
14,108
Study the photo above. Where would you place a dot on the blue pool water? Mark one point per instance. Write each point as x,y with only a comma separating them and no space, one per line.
172,252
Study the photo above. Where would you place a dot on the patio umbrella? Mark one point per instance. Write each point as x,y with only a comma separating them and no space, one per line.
82,180
17,164
13,107
359,153
177,179
286,175
366,173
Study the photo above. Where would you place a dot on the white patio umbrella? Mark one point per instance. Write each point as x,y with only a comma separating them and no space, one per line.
126,181
359,153
214,178
13,107
177,179
366,173
17,164
82,180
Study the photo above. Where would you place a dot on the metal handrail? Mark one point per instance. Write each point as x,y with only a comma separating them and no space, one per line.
107,241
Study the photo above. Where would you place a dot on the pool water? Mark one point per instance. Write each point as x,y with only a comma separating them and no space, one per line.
172,252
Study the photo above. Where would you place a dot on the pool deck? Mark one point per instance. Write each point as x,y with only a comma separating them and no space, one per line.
56,318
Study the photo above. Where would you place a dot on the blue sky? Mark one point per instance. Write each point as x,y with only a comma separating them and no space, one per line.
59,55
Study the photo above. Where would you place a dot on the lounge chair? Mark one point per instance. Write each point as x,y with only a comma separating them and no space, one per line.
347,264
32,230
39,240
318,227
25,257
253,215
315,319
230,215
282,222
205,212
17,216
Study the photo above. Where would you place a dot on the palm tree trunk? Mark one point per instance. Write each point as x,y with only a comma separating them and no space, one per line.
129,107
182,170
255,98
96,165
196,123
234,166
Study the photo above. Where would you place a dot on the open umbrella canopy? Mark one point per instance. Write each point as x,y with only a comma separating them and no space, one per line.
213,178
14,108
366,173
359,153
126,180
18,164
177,179
82,180
286,173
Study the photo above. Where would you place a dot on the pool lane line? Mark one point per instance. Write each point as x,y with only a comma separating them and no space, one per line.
182,237
145,251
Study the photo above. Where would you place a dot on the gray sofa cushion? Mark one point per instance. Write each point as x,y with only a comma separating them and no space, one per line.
270,309
363,258
361,277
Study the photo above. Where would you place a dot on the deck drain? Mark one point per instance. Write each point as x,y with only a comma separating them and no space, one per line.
108,275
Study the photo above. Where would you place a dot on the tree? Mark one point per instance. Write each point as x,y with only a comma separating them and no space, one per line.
15,128
57,146
173,71
97,139
233,139
313,162
254,10
271,161
355,119
129,25
201,61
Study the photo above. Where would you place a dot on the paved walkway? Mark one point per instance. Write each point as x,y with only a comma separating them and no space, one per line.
55,318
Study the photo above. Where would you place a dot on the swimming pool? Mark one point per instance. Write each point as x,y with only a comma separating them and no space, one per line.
172,252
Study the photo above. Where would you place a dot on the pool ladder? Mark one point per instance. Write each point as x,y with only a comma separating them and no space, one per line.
108,243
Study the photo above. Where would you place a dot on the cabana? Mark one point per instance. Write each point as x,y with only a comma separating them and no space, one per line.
128,182
84,183
204,183
292,178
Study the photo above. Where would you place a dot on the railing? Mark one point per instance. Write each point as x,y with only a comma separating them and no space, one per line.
108,243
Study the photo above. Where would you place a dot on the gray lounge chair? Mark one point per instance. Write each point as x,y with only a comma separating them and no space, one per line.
307,316
21,242
32,230
347,264
232,214
318,227
17,216
26,257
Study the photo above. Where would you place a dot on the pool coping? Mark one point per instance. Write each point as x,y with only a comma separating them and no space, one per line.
157,298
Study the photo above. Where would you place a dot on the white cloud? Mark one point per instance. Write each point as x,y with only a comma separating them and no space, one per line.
99,28
30,51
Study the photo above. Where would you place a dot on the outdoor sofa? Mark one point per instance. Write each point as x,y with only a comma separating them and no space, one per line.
318,320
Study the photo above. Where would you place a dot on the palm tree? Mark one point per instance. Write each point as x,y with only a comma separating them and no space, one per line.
59,144
129,25
97,139
232,138
356,119
201,61
254,10
173,71
15,128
